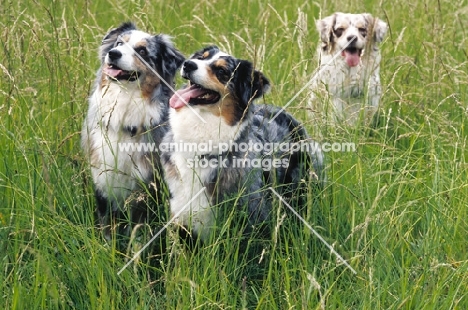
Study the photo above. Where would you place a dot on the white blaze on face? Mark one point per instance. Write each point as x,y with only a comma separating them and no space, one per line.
126,47
201,74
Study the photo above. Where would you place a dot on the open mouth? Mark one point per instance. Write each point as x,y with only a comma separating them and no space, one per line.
195,94
117,73
352,56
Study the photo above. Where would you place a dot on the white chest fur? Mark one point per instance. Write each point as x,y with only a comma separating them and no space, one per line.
116,164
188,194
349,82
349,89
188,127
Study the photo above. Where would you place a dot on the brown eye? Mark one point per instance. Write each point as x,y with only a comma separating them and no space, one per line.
143,52
363,31
222,74
339,32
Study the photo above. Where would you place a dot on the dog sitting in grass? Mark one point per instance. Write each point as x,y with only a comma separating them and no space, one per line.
129,106
347,87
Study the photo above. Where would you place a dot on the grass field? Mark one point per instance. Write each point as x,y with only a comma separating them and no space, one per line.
396,208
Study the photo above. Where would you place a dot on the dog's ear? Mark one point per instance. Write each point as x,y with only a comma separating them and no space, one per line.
380,30
262,84
169,58
325,28
379,27
250,83
111,37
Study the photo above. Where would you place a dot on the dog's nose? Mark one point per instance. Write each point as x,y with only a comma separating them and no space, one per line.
114,54
190,66
351,38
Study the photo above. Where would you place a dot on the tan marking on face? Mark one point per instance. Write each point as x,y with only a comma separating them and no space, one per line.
214,83
125,38
148,84
361,24
343,24
141,44
206,54
148,80
220,63
226,106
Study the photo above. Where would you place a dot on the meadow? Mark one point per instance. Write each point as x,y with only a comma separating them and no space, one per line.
396,209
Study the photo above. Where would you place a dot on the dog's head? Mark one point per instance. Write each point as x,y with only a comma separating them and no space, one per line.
219,84
356,31
129,55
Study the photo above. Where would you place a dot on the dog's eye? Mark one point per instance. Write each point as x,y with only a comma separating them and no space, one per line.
118,43
339,31
142,51
363,31
222,74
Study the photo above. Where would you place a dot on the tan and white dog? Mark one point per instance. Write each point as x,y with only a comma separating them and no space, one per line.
348,80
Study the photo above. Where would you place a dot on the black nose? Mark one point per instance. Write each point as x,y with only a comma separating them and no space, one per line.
190,66
114,54
351,38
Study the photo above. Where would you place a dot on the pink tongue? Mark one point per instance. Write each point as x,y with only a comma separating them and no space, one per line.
183,96
352,59
112,72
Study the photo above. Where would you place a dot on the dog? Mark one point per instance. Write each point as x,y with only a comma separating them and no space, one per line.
349,65
217,109
129,105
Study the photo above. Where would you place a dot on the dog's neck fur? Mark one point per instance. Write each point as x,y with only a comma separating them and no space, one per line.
215,130
122,106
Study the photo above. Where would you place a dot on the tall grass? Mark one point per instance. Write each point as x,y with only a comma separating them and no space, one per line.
396,208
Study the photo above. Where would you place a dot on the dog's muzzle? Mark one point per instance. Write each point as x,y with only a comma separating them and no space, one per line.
188,67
